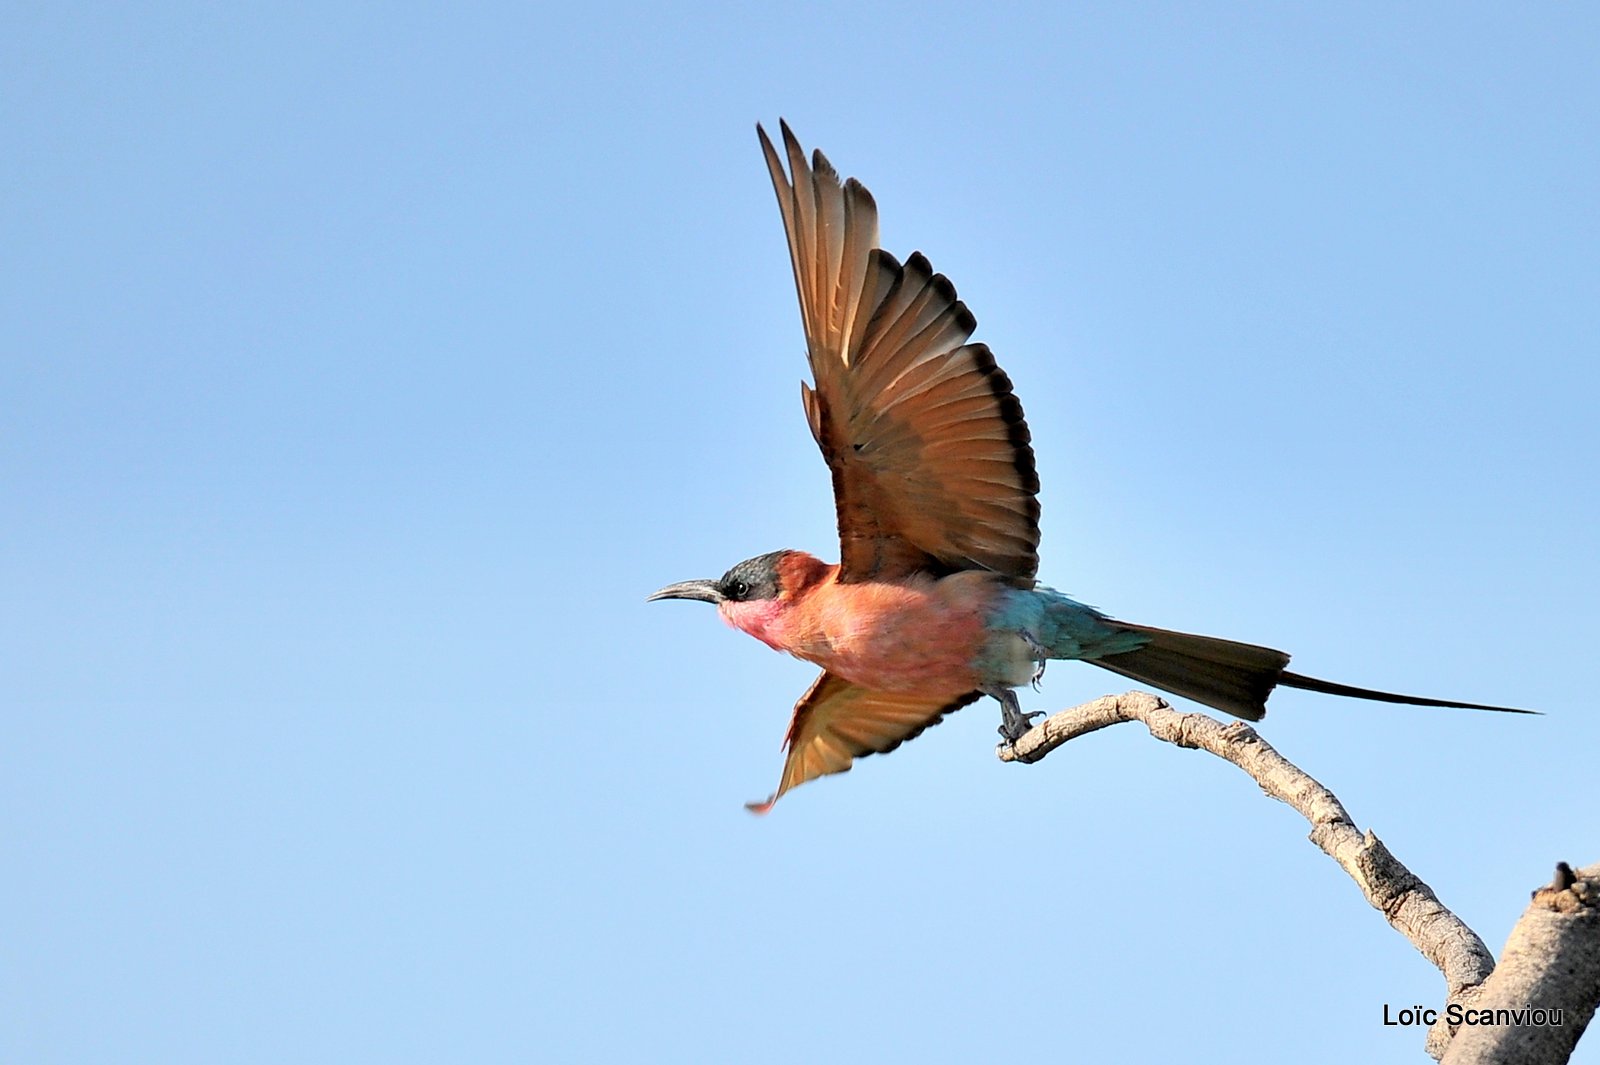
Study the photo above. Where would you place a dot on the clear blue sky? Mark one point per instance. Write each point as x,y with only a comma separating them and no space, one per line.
364,367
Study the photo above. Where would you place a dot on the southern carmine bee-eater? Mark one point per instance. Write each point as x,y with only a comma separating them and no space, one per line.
933,603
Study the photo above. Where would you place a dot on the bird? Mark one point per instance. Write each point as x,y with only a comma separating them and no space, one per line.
934,602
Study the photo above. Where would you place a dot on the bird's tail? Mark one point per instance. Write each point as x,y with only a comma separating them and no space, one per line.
1234,677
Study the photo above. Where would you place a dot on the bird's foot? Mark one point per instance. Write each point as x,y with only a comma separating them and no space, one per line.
1040,657
1014,724
1014,728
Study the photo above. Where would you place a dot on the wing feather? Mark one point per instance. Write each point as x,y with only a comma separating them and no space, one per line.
835,722
930,455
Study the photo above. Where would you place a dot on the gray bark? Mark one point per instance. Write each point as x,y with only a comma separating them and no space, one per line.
1552,961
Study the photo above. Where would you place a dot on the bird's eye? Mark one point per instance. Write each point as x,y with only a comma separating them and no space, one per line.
740,589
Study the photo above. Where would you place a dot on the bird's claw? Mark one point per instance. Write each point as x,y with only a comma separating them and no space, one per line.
1014,724
1017,724
1040,657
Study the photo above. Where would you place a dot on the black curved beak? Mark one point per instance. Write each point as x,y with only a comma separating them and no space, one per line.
704,591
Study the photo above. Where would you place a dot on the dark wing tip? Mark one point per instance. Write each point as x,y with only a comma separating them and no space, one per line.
887,261
965,319
766,141
791,143
821,167
858,190
1018,434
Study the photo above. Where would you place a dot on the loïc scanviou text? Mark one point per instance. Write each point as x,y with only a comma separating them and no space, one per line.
1456,1014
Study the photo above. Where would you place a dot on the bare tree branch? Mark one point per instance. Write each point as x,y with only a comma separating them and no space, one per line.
1404,900
1551,961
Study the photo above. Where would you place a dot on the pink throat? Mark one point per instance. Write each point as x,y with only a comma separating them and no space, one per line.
762,619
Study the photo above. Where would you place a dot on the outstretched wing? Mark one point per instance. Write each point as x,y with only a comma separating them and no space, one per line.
929,451
836,722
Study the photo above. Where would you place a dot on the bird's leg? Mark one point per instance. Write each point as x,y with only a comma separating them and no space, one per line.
1040,656
1013,722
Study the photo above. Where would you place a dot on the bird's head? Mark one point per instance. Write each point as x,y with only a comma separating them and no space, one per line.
756,595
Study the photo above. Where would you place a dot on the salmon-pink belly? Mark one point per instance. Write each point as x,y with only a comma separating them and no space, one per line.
911,643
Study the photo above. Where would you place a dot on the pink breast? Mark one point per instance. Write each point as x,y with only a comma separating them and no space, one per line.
901,638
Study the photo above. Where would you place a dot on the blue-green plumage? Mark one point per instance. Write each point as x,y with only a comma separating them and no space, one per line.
1027,624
